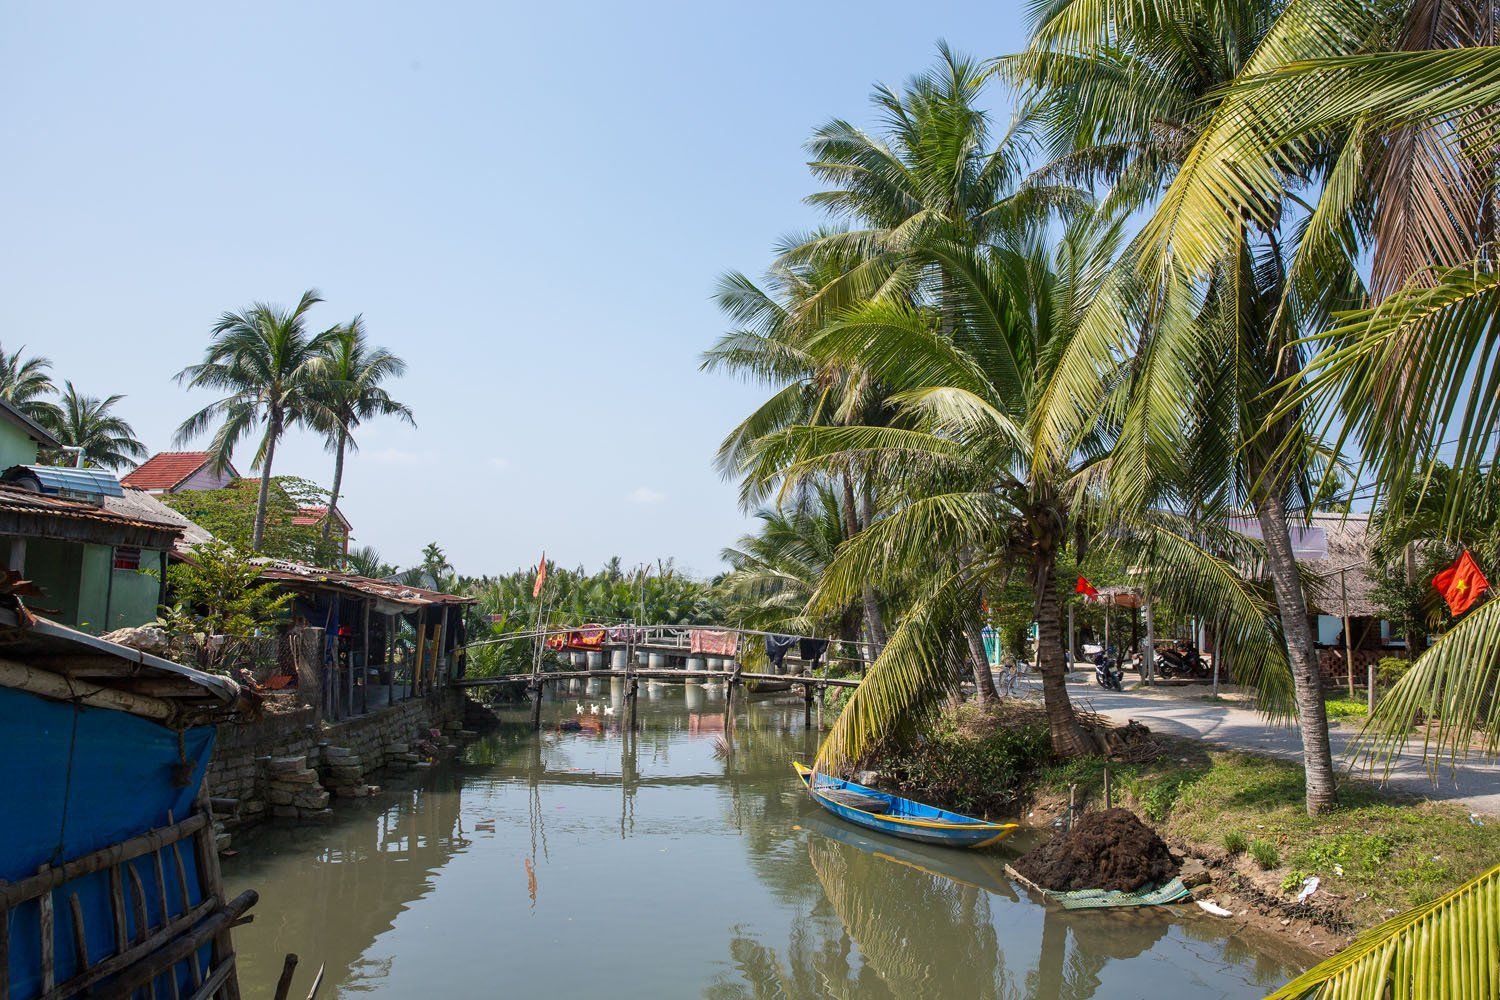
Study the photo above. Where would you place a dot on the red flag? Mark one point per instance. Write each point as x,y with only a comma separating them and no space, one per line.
541,577
1461,584
1085,588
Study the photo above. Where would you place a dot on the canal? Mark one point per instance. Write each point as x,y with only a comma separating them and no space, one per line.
587,862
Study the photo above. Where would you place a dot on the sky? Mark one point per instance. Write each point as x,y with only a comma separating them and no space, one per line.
530,203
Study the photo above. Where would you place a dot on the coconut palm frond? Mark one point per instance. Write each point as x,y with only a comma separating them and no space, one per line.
1452,684
909,679
1445,948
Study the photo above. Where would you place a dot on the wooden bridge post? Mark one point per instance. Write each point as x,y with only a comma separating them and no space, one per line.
632,695
807,704
822,692
536,704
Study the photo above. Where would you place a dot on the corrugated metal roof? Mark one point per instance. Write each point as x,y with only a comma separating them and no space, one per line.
61,480
21,500
144,506
287,571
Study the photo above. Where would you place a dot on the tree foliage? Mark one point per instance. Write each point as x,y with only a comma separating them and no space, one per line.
229,515
219,606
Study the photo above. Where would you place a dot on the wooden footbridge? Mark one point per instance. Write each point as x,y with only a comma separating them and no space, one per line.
633,652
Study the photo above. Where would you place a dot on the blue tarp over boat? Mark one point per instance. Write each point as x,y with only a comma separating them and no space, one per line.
78,780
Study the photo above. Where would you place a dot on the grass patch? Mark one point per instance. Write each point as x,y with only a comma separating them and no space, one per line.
1345,708
1377,850
1265,854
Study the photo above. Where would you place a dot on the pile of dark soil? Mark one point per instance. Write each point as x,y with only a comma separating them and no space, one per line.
1111,849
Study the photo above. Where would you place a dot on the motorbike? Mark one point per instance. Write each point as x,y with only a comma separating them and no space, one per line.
1107,673
1180,659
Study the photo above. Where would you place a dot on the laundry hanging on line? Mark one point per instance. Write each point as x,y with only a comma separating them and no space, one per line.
811,651
713,642
777,646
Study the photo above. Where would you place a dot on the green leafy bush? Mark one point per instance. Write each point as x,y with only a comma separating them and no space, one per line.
1265,854
977,774
1390,669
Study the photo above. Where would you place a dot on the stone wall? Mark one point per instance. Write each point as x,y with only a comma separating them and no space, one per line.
264,763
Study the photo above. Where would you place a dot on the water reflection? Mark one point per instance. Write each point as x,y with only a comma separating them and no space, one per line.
682,859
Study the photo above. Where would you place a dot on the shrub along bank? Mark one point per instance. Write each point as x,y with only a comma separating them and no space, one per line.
1377,854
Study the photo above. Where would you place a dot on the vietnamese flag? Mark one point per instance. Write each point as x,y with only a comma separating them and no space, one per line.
541,577
1461,584
1085,588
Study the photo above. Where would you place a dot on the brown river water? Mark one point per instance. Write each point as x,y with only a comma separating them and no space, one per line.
593,863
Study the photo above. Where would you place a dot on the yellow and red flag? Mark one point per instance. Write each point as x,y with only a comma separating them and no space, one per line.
541,577
1461,584
1086,589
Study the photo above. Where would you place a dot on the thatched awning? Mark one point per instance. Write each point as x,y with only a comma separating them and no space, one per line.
1343,581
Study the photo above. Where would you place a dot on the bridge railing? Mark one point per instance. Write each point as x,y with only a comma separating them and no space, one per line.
677,640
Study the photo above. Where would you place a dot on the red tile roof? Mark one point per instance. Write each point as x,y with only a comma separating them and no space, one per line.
166,469
309,516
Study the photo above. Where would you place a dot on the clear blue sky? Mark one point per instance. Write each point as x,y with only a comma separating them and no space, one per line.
529,202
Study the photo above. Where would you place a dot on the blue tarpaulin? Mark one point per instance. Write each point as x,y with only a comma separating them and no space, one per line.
80,779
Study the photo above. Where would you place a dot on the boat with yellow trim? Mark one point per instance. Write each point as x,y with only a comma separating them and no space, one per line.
891,814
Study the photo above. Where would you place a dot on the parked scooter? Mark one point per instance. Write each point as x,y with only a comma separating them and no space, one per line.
1107,673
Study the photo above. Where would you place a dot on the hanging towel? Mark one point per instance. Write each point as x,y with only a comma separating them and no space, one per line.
713,642
811,651
777,647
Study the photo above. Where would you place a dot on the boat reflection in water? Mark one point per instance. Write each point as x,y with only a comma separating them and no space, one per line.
683,859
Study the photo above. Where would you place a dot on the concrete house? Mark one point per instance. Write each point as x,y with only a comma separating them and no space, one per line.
178,472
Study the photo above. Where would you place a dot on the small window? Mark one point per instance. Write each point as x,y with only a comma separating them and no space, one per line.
127,558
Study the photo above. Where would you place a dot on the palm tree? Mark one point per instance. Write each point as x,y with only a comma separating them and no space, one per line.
353,371
86,422
270,368
978,403
1123,98
365,560
775,571
768,346
24,382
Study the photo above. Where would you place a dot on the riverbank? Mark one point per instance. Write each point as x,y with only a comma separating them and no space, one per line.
1238,813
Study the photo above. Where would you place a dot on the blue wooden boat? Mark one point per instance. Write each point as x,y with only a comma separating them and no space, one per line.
891,814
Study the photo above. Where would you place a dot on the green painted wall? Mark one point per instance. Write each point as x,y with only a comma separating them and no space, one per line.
16,446
54,566
80,579
137,593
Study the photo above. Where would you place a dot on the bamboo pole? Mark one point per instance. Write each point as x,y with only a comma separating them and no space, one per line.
1348,631
49,877
49,685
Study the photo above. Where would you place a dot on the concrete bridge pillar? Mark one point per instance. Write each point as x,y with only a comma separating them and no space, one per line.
594,660
696,663
657,661
618,658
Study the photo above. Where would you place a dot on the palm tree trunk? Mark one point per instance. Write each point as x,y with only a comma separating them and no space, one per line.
1068,738
1312,717
273,432
338,482
984,681
873,622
